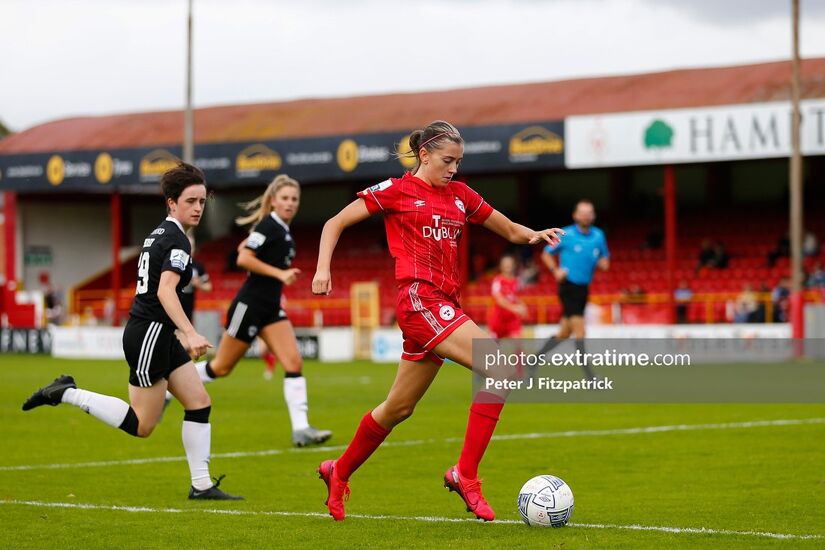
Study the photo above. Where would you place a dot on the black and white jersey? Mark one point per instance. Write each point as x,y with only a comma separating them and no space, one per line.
165,249
272,243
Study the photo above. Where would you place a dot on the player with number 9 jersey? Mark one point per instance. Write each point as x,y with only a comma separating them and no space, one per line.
165,249
156,356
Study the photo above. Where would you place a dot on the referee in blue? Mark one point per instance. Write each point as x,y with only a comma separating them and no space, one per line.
582,249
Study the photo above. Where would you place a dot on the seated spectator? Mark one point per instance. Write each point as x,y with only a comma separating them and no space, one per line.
720,256
529,273
746,306
810,245
706,255
635,294
782,250
816,278
781,298
713,255
682,295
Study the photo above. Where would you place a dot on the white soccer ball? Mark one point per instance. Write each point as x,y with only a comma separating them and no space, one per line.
545,501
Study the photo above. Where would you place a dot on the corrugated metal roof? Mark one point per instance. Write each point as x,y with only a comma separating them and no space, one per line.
463,107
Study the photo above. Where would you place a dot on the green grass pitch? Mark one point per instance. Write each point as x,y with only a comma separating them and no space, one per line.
730,470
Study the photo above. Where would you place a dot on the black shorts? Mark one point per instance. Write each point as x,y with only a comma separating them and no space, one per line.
246,317
573,298
152,351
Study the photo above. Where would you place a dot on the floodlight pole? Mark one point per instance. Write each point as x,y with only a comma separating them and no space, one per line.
796,213
188,152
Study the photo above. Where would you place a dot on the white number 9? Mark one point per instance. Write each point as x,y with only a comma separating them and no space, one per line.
143,274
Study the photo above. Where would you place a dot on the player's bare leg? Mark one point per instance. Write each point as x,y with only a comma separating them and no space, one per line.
230,351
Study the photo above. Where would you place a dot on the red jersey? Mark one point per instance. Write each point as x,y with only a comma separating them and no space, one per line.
424,225
507,287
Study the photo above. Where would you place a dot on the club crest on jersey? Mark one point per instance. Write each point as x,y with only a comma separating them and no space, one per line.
446,312
439,230
419,203
460,204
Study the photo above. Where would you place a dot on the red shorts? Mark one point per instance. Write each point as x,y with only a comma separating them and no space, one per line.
426,316
504,326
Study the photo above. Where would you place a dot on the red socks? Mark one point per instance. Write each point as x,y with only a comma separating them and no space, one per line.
368,437
484,414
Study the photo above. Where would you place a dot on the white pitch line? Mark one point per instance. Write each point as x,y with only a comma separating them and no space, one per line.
417,442
424,519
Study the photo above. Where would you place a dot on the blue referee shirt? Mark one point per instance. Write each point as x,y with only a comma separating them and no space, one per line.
579,252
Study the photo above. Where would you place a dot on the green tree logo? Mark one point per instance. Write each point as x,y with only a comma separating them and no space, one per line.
658,135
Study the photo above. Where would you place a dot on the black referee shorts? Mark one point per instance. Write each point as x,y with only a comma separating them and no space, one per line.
573,298
152,351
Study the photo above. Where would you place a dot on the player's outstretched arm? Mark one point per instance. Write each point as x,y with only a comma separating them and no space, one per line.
519,234
171,304
354,212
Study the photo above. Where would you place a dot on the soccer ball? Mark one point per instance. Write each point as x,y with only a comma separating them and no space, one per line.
545,501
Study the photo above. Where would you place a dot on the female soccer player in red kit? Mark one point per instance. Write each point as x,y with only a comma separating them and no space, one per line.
508,309
424,214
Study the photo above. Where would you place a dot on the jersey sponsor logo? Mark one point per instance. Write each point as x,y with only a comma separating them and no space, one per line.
147,242
386,184
440,230
460,204
446,312
179,259
255,240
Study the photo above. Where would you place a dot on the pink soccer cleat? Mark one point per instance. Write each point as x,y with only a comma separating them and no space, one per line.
337,490
470,491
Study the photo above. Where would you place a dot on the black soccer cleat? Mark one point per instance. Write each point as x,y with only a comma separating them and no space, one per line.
213,493
51,394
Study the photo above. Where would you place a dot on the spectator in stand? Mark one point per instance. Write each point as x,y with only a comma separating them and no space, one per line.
810,245
682,295
816,279
712,256
54,305
529,274
746,306
782,250
705,255
634,294
781,298
721,258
